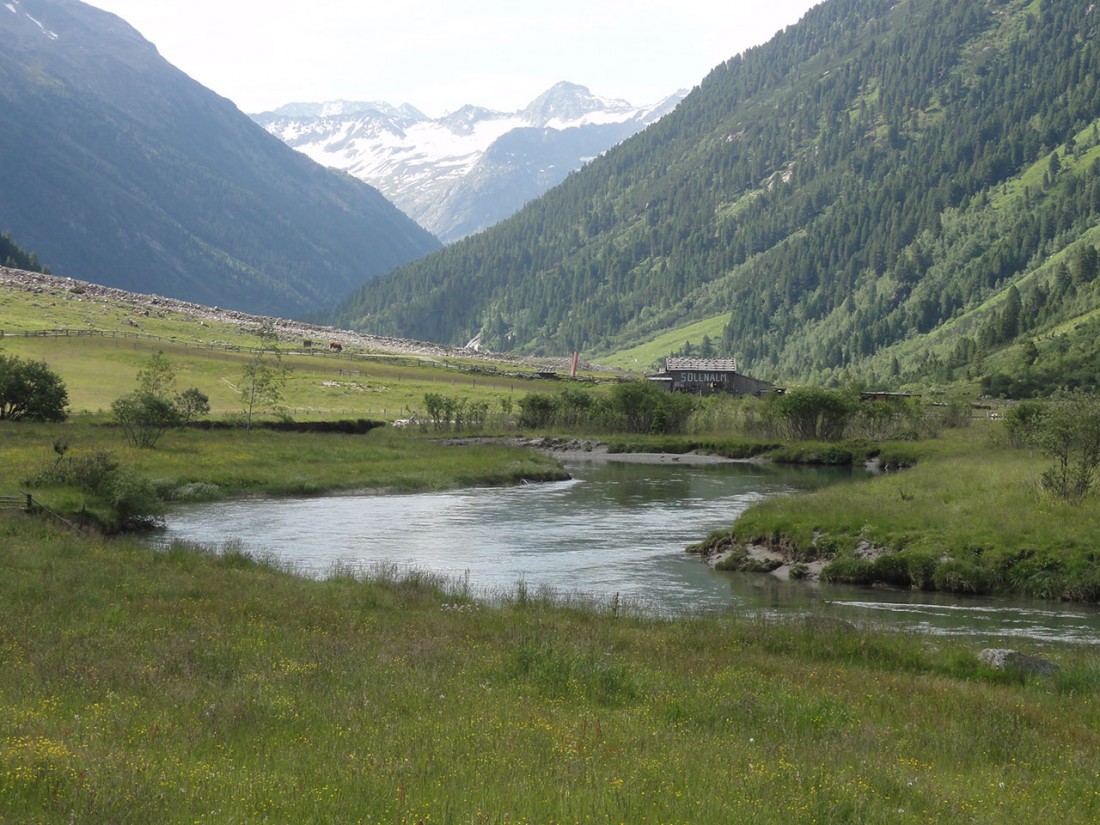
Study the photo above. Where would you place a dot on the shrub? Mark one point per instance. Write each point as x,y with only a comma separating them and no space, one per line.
91,473
134,501
799,571
536,411
815,414
643,407
1023,422
922,570
197,491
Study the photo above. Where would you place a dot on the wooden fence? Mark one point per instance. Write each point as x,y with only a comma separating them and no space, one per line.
312,349
22,502
27,503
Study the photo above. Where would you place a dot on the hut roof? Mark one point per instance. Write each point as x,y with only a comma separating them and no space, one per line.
702,364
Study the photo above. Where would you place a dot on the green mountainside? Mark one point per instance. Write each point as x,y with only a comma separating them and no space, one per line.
120,169
891,191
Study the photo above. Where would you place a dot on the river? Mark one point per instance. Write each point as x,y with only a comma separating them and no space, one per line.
615,531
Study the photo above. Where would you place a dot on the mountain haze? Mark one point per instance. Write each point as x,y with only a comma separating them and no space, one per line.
859,196
118,168
460,173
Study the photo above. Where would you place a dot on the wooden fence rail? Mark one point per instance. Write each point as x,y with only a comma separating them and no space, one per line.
27,503
315,352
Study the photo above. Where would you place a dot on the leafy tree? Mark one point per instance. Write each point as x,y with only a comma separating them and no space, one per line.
264,377
151,410
434,405
192,403
145,417
157,376
31,391
261,388
1069,433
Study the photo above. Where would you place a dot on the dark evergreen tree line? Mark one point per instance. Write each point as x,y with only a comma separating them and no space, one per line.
14,257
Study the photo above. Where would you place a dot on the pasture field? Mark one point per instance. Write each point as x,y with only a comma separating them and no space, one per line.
193,686
112,337
97,370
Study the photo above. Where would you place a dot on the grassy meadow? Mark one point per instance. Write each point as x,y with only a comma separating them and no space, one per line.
97,370
211,355
185,686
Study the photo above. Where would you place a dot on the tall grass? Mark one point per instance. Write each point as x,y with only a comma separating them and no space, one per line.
185,686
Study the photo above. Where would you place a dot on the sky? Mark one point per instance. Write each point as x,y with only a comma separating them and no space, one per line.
439,55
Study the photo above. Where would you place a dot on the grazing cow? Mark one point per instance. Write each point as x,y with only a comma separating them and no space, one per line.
336,346
307,343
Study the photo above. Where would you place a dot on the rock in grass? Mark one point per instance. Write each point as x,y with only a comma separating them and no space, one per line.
1008,659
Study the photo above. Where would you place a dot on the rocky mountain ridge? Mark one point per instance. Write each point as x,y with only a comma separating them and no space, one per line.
457,174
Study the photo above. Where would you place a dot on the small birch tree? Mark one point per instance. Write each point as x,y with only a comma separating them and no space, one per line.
264,377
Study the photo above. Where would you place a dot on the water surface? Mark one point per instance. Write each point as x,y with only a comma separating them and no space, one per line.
615,531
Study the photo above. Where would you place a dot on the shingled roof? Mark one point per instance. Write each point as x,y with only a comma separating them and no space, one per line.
702,364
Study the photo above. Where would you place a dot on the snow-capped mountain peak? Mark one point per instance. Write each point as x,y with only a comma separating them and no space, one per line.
567,103
464,171
345,108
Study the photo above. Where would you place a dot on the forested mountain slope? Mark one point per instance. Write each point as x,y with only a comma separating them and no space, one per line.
879,174
120,169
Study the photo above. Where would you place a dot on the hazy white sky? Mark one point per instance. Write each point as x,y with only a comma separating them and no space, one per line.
441,54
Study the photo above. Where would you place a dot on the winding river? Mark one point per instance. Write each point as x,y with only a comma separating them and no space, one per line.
616,531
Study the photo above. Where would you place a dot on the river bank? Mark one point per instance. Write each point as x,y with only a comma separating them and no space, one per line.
970,518
580,449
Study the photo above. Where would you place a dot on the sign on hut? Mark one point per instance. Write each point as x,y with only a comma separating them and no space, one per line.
704,376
